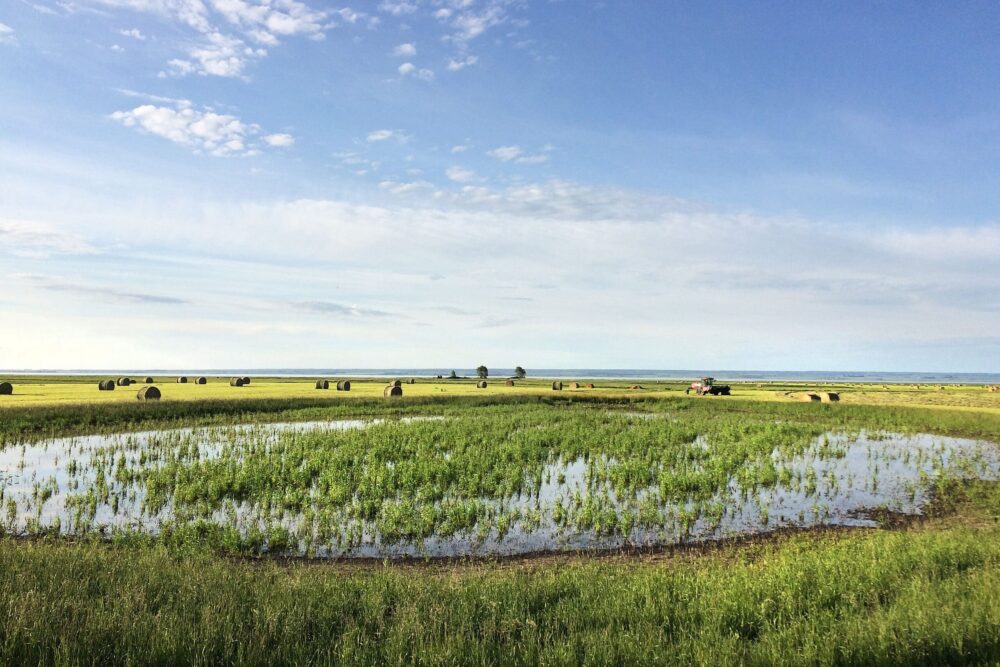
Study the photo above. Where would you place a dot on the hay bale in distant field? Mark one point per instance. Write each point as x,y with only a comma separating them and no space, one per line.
246,380
574,385
809,396
396,383
392,390
124,382
150,380
590,385
344,385
236,382
6,389
106,385
148,393
636,386
182,379
322,384
411,381
557,386
201,380
829,396
509,383
481,384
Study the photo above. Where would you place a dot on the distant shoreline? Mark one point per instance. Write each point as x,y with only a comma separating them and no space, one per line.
553,373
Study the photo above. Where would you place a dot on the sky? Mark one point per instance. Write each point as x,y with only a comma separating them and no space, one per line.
554,184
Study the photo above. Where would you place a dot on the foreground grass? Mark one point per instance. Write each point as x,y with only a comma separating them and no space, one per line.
928,595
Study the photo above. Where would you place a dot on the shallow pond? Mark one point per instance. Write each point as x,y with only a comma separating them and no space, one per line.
104,483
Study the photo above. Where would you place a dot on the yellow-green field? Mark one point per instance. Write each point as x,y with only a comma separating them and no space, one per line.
55,390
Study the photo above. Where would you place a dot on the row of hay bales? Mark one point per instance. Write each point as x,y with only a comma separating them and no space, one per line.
342,385
239,381
558,386
109,385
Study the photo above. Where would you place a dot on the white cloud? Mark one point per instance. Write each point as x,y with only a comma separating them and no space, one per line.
398,188
117,48
384,135
202,130
405,50
279,140
7,34
505,153
459,148
460,174
134,33
517,154
409,69
462,63
469,25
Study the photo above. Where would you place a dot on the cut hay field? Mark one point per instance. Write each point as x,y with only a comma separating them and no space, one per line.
39,390
280,524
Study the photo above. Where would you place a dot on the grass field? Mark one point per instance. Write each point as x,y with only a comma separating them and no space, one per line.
219,581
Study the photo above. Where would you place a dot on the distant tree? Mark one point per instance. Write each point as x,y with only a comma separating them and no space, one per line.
453,376
483,372
520,373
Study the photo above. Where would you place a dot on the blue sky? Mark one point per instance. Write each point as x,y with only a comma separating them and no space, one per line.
291,183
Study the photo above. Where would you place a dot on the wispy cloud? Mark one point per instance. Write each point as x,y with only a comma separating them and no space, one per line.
35,239
386,134
232,33
341,310
102,292
7,34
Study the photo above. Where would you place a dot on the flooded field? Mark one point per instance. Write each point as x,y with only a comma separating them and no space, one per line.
500,484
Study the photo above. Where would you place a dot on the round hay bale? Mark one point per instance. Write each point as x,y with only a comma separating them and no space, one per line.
574,385
124,382
481,384
246,380
411,381
148,393
236,382
182,379
557,386
509,383
392,391
636,386
396,383
829,396
150,380
809,396
6,389
322,384
344,385
201,380
590,385
106,385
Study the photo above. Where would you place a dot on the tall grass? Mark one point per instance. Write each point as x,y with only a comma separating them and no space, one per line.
907,598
